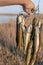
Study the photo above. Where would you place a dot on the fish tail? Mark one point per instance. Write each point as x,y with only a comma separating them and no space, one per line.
29,50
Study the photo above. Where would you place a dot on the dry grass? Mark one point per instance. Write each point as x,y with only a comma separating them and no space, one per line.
9,54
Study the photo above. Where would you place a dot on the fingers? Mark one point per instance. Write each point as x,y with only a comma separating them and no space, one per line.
28,11
29,7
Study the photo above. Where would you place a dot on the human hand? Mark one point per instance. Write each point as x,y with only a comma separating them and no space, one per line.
28,6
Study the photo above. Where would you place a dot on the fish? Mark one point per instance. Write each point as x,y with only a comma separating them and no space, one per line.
28,36
29,51
36,44
20,29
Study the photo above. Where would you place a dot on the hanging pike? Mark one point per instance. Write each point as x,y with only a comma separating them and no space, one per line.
36,44
28,35
20,29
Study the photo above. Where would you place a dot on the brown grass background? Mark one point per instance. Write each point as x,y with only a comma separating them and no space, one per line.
9,54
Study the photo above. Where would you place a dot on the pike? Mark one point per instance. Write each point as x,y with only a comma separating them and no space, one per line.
36,43
28,35
29,51
20,29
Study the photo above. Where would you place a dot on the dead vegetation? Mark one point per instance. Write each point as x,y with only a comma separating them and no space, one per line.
9,54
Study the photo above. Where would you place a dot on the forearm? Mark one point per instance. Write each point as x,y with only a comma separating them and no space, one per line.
10,2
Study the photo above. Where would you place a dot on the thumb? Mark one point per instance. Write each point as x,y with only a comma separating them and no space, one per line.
28,11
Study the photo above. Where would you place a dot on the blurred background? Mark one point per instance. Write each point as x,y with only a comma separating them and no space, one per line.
17,9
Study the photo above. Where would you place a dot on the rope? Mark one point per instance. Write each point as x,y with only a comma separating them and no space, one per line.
38,9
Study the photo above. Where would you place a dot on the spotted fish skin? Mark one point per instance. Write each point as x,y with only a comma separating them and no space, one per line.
28,35
20,30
